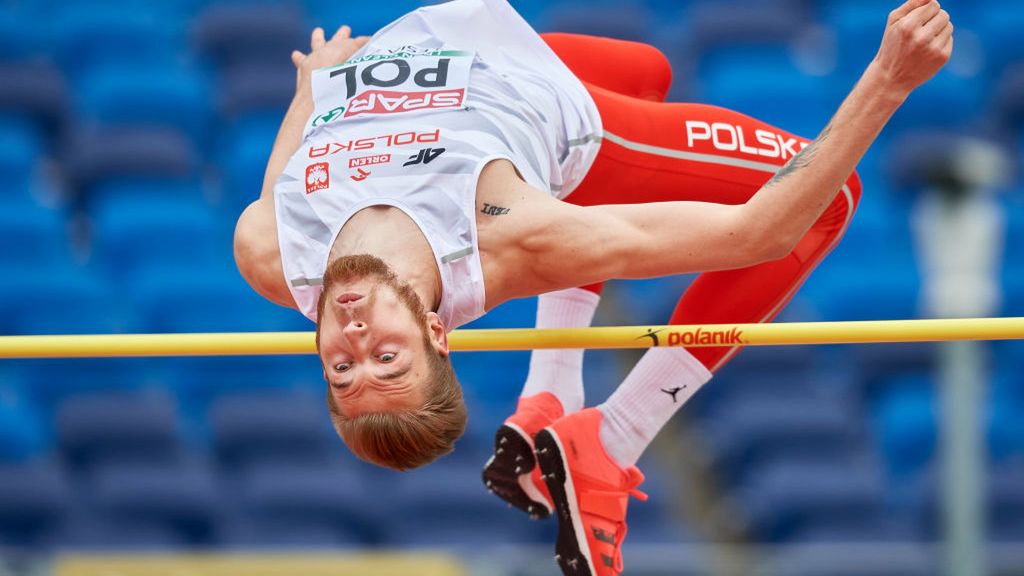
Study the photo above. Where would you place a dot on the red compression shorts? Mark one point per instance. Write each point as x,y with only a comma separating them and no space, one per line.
656,152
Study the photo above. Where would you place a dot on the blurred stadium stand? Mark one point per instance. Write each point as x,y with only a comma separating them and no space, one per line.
132,134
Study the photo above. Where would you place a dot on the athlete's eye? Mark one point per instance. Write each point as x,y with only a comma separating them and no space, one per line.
342,367
386,357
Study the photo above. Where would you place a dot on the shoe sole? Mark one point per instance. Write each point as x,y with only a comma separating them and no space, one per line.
513,450
571,549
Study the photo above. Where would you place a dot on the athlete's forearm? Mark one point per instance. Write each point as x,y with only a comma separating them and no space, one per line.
917,42
789,204
289,137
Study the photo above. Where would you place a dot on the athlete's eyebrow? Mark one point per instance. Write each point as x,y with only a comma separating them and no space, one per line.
390,376
397,374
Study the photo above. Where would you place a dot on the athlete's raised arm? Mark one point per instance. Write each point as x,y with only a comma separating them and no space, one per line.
569,246
256,252
323,53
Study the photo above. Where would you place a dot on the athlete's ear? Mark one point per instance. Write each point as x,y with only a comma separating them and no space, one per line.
437,334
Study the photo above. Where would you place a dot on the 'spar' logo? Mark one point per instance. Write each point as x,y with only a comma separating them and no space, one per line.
318,177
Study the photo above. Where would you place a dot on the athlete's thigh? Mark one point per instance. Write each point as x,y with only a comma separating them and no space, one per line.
658,152
630,68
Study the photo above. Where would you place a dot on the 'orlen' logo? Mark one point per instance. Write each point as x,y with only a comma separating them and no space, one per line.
318,177
391,102
706,337
369,160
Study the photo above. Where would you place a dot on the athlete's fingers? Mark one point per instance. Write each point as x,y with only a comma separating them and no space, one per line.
343,33
945,38
936,25
920,15
947,50
362,40
297,58
905,9
316,40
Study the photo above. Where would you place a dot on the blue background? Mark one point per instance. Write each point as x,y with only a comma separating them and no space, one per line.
132,134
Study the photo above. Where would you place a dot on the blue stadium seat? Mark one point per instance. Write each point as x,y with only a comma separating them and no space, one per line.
147,96
905,418
519,313
34,90
33,502
652,301
256,88
364,22
493,379
890,292
60,299
623,20
999,30
763,82
243,151
39,233
653,521
233,34
161,226
86,532
1005,438
249,429
205,299
338,505
96,154
1006,503
45,383
441,505
753,429
1009,99
16,41
788,500
167,504
21,431
22,148
96,429
947,100
878,363
88,36
746,24
858,28
198,382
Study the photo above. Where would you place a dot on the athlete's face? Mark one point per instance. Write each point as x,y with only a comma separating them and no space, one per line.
374,337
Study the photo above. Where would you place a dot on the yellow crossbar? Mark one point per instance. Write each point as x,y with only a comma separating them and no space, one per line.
265,343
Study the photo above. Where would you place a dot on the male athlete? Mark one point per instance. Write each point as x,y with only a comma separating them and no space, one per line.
456,160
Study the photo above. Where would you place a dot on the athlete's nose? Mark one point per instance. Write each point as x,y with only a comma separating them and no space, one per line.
354,331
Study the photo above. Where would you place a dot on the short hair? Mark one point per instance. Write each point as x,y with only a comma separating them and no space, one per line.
406,439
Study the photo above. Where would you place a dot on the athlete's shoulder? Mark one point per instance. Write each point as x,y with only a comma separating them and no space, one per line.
257,254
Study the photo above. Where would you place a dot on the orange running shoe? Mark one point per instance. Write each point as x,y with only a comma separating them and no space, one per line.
590,494
512,473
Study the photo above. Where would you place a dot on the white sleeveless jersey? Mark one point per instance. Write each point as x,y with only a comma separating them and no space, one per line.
410,121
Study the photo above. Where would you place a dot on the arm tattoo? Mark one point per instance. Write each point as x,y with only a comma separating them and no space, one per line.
803,159
492,210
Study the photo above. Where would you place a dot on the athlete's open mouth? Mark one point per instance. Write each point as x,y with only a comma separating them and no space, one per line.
349,297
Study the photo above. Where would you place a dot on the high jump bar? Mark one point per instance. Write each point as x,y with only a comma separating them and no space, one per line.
273,343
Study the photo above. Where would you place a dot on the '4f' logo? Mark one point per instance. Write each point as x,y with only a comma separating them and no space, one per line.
425,156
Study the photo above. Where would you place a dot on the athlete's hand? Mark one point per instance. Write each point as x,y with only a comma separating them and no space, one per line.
918,41
324,53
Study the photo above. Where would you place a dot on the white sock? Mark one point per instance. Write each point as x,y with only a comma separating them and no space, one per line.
561,371
660,383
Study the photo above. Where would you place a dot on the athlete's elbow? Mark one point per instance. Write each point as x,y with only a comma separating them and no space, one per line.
771,245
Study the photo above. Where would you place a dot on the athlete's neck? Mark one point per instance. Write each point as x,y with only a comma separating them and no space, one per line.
389,234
